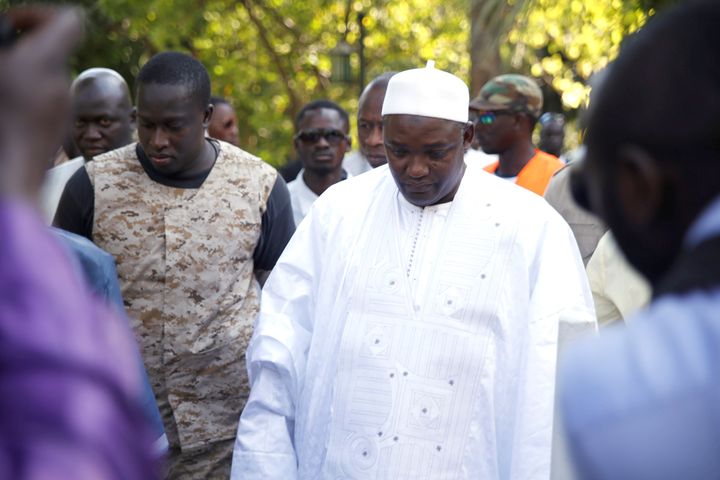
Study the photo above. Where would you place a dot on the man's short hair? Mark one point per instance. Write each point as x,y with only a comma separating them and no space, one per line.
319,104
217,100
175,68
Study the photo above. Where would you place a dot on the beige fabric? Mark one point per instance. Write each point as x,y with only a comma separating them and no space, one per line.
586,227
210,463
185,262
618,289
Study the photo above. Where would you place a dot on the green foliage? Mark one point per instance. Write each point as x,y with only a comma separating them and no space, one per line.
564,42
272,56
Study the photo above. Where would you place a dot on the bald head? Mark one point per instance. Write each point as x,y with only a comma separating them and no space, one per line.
103,115
370,120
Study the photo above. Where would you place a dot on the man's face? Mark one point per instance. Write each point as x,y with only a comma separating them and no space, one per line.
223,124
370,129
102,120
552,137
495,130
171,127
615,193
425,156
321,140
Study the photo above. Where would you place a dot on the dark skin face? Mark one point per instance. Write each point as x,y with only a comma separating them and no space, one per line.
370,129
500,135
552,137
322,157
171,130
103,118
634,194
223,124
507,135
425,156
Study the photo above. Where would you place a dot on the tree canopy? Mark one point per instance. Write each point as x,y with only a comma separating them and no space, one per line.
269,57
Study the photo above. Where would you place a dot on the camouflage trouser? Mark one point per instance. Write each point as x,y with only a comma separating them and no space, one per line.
212,462
209,462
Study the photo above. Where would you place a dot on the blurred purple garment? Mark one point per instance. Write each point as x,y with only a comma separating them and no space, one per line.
68,381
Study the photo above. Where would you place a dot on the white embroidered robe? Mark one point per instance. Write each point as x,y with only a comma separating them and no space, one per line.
403,343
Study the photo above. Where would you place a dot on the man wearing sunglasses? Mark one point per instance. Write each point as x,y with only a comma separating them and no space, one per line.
321,140
508,108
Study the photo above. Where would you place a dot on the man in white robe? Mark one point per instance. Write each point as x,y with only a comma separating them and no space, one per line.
410,328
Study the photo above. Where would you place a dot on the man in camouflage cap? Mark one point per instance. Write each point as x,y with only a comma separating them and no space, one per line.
508,108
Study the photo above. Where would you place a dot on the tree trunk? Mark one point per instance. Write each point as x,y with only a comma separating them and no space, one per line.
490,21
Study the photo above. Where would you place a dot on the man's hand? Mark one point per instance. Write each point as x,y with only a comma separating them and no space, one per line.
34,93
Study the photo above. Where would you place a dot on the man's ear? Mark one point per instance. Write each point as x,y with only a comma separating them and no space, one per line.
640,185
468,135
208,115
133,117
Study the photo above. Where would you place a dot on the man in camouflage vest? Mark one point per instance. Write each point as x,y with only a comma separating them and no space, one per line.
192,223
508,108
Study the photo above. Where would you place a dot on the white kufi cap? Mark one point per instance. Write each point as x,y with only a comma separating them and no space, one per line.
427,92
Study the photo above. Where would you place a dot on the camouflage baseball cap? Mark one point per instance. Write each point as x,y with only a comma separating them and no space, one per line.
510,92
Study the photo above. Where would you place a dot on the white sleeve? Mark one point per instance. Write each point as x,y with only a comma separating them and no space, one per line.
276,359
264,443
561,309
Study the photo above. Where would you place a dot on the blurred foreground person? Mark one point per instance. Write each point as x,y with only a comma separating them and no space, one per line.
369,125
67,151
69,384
508,108
194,224
410,328
103,119
223,123
643,402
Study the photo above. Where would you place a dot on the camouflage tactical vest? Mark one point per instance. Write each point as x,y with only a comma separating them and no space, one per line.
185,262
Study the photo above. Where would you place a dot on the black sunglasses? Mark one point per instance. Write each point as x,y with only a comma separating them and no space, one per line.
332,136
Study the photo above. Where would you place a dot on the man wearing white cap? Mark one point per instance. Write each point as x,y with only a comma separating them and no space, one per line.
410,328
